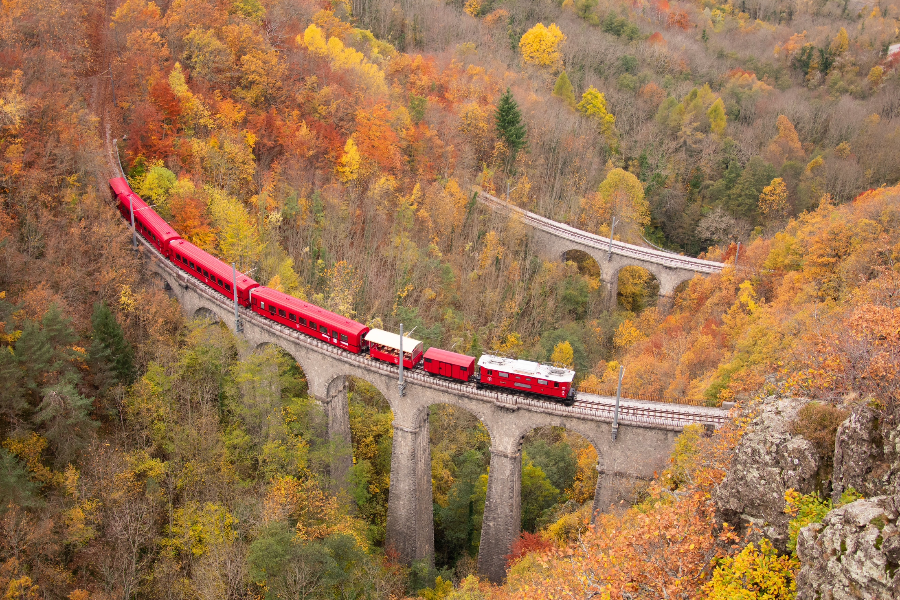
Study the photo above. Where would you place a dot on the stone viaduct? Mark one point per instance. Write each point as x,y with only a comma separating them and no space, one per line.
645,434
555,239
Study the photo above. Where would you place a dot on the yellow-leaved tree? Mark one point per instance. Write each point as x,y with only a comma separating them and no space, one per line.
563,355
621,195
717,117
773,199
343,58
786,145
540,45
593,106
348,164
840,43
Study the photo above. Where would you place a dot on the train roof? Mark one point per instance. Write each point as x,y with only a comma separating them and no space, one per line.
392,340
156,224
526,368
460,360
120,186
212,264
320,315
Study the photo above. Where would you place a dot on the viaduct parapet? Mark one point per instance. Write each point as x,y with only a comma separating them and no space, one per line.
555,239
645,435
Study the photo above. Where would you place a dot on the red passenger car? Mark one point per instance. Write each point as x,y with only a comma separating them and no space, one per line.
526,376
385,346
124,205
310,319
211,271
155,230
449,364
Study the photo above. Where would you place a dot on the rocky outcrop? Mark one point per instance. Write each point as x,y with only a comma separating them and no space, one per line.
866,455
768,461
853,553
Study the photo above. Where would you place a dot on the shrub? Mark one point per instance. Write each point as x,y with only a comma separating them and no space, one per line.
754,573
818,423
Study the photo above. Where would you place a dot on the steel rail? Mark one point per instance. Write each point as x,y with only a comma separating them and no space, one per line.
601,243
669,416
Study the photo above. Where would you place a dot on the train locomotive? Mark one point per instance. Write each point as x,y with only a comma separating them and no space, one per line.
511,375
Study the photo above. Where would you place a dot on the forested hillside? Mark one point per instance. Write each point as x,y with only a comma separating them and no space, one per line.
331,149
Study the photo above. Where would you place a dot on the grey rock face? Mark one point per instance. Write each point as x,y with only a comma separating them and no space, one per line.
853,553
768,461
866,455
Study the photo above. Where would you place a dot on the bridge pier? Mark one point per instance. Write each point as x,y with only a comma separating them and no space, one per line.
502,519
410,518
613,291
338,411
668,283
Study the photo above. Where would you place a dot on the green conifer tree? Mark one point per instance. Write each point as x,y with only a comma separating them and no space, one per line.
110,355
44,351
563,89
510,127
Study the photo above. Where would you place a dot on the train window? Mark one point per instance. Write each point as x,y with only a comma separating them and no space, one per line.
281,313
191,263
292,317
302,321
262,304
227,287
323,329
462,369
555,384
312,324
344,338
502,374
427,361
542,382
206,273
178,256
523,385
490,372
271,309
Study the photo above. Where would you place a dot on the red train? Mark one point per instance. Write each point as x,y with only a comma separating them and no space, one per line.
514,375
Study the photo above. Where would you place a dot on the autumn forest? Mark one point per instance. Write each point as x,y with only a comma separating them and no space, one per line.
332,149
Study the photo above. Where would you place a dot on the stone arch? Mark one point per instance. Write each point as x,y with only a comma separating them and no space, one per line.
590,265
542,443
631,292
453,494
339,380
206,313
161,282
298,357
585,261
332,393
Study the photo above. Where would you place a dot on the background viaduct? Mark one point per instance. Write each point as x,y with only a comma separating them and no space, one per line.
645,435
555,239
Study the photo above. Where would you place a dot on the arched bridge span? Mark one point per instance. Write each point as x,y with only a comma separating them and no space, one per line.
555,239
645,435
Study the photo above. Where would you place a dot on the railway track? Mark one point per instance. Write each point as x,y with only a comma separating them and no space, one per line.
586,406
601,243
